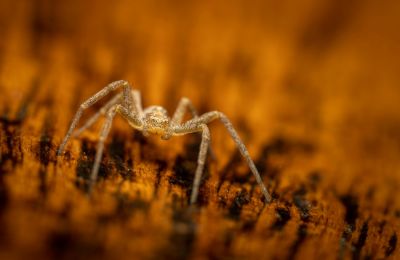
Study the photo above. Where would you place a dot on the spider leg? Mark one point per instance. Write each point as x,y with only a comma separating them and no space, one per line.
184,105
193,126
96,116
100,145
127,102
116,99
205,141
118,108
137,102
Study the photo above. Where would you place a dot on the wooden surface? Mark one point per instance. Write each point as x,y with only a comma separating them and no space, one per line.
313,90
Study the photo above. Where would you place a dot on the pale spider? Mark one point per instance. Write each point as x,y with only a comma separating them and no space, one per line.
155,120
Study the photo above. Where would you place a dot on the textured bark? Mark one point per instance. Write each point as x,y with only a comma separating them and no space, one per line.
312,90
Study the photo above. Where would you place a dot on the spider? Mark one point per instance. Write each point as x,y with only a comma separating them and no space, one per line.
155,120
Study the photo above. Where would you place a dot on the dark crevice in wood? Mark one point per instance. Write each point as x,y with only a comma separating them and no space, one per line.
43,189
9,156
11,151
361,241
351,205
46,153
392,245
85,165
397,213
9,122
117,152
162,166
4,196
345,237
12,128
282,217
129,172
301,203
184,170
240,200
146,148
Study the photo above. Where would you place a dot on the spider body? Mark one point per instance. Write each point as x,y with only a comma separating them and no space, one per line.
155,120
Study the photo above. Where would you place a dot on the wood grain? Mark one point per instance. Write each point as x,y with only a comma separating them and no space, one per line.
312,90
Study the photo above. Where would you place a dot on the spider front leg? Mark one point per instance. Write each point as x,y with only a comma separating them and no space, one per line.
103,110
205,142
193,125
137,102
126,102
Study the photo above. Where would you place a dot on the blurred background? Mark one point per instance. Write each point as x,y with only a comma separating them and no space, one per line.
312,87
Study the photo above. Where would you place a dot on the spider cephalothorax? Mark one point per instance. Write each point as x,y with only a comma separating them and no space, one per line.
155,120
